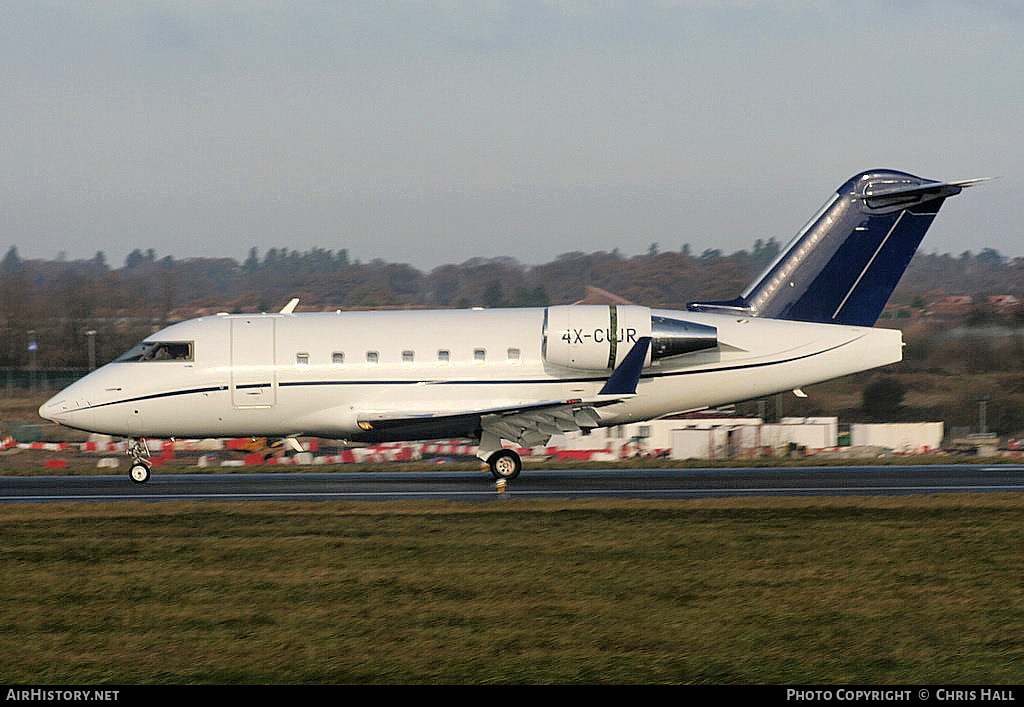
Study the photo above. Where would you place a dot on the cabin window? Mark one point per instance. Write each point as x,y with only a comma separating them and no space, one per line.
160,351
444,357
480,356
338,358
513,357
407,358
302,360
372,358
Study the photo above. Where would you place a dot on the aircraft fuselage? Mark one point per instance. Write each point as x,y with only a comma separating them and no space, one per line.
322,374
523,375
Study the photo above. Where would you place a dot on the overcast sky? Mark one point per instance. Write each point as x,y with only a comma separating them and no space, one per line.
432,132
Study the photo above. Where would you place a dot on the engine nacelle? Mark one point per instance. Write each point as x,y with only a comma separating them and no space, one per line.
598,337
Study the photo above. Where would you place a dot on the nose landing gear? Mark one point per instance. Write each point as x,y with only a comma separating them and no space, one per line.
138,472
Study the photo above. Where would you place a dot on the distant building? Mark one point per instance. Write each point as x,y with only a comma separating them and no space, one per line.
703,436
951,306
1002,300
900,437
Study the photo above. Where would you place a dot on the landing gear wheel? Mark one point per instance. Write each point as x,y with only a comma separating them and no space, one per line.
139,473
138,450
505,464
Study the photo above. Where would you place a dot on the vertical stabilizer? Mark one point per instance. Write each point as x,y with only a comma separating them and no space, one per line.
843,266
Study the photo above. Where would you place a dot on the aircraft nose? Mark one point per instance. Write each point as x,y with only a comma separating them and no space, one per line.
60,406
54,409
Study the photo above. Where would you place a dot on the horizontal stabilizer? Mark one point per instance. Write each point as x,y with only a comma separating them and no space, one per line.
882,194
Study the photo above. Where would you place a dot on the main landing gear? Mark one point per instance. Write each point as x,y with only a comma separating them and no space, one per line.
138,472
505,464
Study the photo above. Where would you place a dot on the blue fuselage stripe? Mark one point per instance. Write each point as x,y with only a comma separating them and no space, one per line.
533,381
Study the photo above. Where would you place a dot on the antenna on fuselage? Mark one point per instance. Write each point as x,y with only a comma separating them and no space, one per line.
290,307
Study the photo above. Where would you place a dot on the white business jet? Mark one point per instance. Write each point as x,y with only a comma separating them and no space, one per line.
522,375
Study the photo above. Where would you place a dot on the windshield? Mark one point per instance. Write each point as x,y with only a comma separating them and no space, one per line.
159,351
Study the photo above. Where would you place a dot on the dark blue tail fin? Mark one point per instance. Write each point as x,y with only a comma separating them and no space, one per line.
843,266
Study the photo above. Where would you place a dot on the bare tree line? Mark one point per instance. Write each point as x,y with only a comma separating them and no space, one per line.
57,303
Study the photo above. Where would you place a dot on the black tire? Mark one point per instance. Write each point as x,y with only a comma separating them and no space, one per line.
138,473
505,464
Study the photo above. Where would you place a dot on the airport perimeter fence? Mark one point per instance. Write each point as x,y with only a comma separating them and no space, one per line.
18,381
28,382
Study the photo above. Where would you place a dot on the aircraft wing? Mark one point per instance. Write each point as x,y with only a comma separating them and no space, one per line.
527,424
529,428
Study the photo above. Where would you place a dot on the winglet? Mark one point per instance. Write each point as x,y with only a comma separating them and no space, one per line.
623,379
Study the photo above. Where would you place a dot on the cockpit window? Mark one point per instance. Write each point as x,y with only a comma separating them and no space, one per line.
160,351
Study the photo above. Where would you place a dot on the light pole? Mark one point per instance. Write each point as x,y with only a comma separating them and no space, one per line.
92,349
982,401
33,347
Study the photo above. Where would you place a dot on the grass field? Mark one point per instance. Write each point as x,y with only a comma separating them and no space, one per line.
748,591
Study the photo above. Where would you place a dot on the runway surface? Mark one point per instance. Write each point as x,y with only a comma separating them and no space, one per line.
476,486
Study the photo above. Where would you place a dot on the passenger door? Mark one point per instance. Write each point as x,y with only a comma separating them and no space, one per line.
253,374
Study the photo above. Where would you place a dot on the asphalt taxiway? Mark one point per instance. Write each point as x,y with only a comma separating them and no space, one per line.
476,486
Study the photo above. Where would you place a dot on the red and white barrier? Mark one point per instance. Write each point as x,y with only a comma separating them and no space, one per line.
163,450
